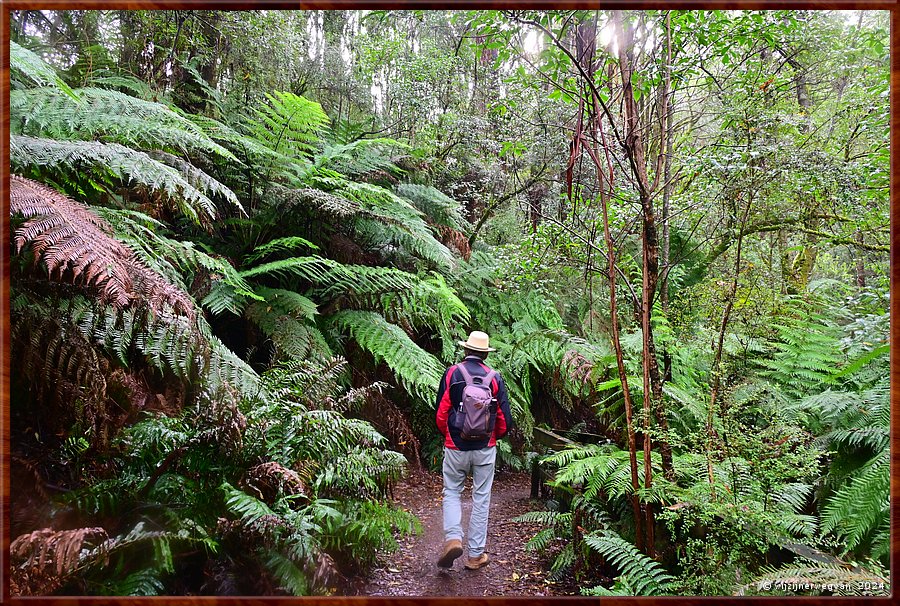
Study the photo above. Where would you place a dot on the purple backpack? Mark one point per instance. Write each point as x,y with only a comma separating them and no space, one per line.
476,414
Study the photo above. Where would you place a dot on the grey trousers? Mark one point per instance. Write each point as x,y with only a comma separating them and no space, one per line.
457,464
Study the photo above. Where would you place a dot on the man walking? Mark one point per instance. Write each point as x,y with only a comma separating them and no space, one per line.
472,413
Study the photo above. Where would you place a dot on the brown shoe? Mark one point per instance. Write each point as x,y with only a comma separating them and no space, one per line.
476,563
452,550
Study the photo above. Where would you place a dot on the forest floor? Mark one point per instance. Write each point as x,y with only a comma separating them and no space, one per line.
512,571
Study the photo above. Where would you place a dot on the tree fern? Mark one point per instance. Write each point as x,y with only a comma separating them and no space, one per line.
291,337
60,363
360,157
198,178
181,262
324,203
403,242
242,145
279,245
112,80
599,469
396,221
428,302
643,574
107,116
336,279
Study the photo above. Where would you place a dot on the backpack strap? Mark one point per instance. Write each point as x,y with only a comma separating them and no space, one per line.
467,376
485,380
489,379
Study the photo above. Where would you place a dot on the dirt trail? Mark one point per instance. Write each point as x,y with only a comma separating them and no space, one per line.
411,570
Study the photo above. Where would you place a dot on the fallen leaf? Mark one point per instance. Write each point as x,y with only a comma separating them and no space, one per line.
393,570
515,577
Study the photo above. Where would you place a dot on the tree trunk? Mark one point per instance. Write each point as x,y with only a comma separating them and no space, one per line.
634,147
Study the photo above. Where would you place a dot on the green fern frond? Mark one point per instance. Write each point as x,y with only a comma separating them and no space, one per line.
125,164
26,67
323,202
245,146
360,157
859,507
290,576
223,369
540,541
198,178
794,495
114,81
803,356
289,124
417,370
279,245
427,302
545,518
646,576
288,302
438,207
248,508
404,242
799,525
144,582
563,562
108,116
292,337
180,262
337,280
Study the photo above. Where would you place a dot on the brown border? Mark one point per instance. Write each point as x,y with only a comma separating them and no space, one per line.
8,5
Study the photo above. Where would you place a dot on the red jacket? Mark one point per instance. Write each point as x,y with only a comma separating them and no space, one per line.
450,393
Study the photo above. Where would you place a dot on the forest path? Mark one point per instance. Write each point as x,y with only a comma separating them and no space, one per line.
411,570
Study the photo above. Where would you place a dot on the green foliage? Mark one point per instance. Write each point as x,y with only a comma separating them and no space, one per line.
862,505
360,158
174,366
395,221
803,356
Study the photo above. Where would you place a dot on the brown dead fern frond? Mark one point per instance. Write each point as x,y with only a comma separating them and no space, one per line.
270,479
577,368
77,246
393,424
42,559
63,368
455,238
326,573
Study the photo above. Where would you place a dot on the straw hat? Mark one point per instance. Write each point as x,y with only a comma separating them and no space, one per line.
478,341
